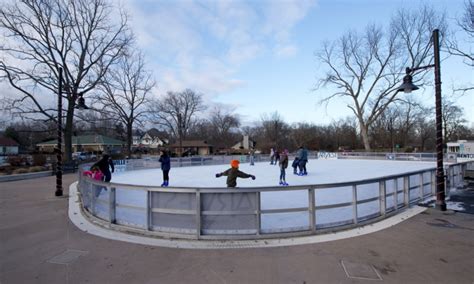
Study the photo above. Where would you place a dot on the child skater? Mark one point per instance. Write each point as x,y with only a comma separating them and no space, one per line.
295,165
233,173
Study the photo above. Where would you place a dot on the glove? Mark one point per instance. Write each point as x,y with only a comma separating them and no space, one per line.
253,177
218,175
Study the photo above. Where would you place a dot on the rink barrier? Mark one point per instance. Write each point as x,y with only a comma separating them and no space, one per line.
223,213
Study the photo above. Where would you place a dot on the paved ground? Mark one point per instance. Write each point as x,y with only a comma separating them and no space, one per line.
36,236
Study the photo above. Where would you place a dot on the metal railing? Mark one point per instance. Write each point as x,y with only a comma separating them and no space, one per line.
249,213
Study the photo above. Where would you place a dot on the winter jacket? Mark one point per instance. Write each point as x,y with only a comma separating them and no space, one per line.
104,164
302,154
283,161
165,162
232,174
295,162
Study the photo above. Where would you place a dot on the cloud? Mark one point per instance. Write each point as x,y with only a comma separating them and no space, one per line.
202,44
285,50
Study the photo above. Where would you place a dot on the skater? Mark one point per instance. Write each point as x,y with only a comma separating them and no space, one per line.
165,167
302,160
233,173
94,173
283,163
252,156
103,165
272,156
277,157
295,165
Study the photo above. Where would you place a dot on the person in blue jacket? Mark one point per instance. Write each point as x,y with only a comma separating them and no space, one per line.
165,167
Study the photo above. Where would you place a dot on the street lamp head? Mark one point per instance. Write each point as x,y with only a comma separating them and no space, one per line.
407,86
81,103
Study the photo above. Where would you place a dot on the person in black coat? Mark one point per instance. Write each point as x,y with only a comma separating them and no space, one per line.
165,167
104,165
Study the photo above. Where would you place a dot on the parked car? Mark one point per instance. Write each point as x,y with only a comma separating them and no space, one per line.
82,156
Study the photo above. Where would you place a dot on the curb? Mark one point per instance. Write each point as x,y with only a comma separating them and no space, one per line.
16,177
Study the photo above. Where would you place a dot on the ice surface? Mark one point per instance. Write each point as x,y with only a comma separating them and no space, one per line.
320,171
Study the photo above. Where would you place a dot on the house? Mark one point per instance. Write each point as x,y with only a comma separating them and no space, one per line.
87,143
463,149
8,146
245,144
152,139
192,147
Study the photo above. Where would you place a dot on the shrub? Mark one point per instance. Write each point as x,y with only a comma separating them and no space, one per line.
20,171
36,169
39,160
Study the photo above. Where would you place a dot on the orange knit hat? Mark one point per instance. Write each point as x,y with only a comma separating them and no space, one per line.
234,163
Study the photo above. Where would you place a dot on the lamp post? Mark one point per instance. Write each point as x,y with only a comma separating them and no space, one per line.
407,86
59,152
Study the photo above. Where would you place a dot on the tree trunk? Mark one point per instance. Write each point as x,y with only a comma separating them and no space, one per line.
364,133
129,139
67,131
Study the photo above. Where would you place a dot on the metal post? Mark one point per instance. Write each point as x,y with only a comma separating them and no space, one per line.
198,214
112,205
312,217
149,211
433,182
440,194
406,190
59,152
354,203
422,186
395,193
382,195
259,213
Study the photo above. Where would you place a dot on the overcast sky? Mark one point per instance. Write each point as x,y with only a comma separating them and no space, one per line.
258,56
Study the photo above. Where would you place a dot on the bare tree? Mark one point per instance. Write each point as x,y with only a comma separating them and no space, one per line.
275,130
223,122
41,36
466,25
124,92
426,132
366,68
176,112
453,120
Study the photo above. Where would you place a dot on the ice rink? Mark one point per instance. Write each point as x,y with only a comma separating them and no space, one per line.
320,171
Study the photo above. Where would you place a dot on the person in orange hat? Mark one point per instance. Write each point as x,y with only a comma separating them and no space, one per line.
233,173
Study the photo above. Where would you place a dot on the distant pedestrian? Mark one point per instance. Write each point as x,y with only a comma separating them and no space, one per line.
272,156
165,167
233,173
283,163
252,156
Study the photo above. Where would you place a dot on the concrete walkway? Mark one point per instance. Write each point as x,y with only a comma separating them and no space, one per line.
38,244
